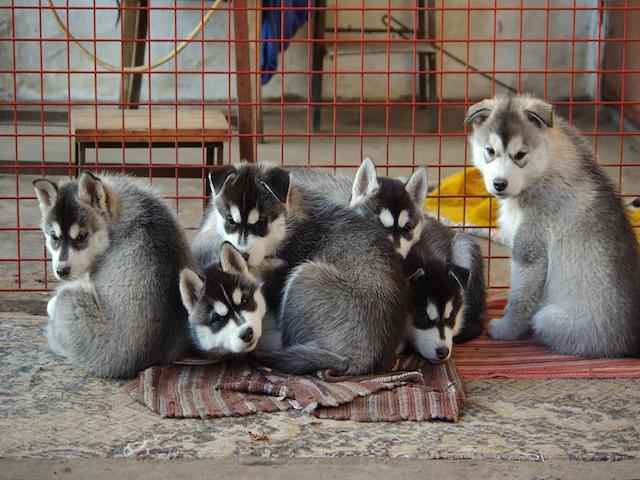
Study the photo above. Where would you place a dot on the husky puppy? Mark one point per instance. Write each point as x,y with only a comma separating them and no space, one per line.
452,271
227,308
248,209
396,204
447,278
575,269
438,315
119,249
344,295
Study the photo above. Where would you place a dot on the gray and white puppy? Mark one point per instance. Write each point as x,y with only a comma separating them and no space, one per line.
449,293
447,278
248,209
119,249
395,204
344,297
575,271
227,308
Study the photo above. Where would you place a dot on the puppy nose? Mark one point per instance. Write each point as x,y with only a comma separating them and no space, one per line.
442,353
63,271
500,184
247,335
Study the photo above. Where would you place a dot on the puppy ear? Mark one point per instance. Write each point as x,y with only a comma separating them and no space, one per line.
460,274
277,181
417,186
92,191
219,178
232,261
47,193
365,181
478,113
539,113
191,286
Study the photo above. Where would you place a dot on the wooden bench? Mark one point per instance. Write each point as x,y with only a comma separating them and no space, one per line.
105,127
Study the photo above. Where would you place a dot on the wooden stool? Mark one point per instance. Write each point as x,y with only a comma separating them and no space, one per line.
106,127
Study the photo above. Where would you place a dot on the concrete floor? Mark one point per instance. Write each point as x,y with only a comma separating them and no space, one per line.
347,469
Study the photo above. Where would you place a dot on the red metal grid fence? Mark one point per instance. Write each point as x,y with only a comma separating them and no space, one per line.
391,79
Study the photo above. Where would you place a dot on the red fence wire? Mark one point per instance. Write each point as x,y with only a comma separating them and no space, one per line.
391,79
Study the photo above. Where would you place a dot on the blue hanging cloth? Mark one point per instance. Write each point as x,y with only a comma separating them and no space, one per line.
274,40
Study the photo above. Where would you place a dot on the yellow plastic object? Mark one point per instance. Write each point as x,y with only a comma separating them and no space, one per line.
473,207
634,218
470,206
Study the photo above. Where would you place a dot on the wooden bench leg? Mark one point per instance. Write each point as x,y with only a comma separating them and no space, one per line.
80,157
209,149
214,156
220,154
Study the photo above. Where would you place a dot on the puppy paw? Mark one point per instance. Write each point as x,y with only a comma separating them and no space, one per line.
503,329
54,344
51,306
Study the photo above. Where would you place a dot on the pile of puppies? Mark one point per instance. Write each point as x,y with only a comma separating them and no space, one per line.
305,270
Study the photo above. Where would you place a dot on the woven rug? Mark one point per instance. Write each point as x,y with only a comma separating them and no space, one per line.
484,358
415,390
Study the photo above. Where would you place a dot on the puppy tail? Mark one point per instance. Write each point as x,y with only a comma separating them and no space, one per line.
467,253
302,359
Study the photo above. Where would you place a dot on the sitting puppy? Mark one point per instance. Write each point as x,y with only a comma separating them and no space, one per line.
119,250
226,310
575,270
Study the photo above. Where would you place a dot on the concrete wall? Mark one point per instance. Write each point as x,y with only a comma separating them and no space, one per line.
218,55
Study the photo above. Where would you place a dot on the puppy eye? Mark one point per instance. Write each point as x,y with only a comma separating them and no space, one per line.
244,301
214,317
490,151
81,237
408,226
54,237
520,155
230,220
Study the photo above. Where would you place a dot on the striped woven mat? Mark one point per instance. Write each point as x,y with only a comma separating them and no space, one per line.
484,358
415,390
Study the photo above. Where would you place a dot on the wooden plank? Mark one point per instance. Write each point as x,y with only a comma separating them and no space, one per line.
134,25
155,136
243,81
161,124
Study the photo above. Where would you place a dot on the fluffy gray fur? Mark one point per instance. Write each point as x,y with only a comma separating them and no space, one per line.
335,188
575,277
433,238
120,311
344,299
